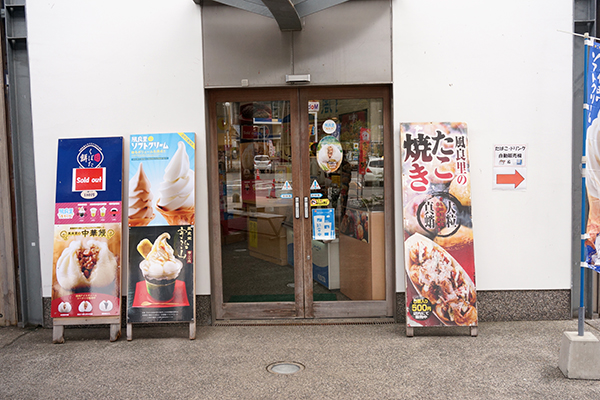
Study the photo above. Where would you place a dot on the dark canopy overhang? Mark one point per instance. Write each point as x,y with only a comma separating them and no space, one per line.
287,13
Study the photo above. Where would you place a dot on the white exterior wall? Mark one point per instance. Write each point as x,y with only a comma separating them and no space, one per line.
113,68
503,68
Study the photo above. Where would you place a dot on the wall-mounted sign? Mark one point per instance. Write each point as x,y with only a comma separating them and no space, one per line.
510,167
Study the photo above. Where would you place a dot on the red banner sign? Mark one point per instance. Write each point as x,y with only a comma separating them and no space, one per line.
438,230
364,145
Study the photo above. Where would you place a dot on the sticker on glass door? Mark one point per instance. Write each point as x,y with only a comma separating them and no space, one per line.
323,224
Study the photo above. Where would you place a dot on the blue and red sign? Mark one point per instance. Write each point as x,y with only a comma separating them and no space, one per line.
86,270
89,169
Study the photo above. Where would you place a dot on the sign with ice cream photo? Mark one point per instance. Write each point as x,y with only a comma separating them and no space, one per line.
438,228
161,179
161,216
329,154
161,274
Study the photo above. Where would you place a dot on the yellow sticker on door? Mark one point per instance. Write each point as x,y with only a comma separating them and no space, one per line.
319,202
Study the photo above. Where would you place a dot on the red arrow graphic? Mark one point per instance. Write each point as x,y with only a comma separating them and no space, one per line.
509,179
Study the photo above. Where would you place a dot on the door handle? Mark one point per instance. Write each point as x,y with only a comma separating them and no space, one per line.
306,207
297,207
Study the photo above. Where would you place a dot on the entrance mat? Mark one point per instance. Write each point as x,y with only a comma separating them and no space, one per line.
266,298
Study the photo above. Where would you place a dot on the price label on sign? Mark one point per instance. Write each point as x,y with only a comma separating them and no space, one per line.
420,308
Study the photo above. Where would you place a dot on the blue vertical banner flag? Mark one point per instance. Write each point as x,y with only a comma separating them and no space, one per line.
591,152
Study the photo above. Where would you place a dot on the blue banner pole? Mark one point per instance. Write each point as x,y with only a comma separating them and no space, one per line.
581,316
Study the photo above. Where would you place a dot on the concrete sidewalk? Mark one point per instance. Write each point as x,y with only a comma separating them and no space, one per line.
508,360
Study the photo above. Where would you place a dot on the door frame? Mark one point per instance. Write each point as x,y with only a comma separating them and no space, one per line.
354,308
303,307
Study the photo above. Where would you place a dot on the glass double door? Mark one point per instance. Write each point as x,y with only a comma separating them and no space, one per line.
299,217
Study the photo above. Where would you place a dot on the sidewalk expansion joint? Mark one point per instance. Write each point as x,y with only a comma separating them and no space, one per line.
15,339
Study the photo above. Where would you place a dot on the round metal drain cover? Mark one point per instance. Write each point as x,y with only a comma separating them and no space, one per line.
285,367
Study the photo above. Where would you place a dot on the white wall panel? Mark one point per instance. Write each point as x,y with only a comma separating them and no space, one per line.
504,69
113,68
104,68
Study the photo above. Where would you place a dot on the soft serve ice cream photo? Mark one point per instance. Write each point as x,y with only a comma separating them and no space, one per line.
161,179
160,267
160,274
141,211
176,202
161,228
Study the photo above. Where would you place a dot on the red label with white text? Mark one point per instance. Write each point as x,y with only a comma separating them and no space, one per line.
89,179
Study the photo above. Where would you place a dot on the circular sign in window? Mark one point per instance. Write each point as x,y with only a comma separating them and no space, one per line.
329,154
329,126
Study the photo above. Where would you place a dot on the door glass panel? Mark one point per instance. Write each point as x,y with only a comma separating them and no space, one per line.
256,204
347,181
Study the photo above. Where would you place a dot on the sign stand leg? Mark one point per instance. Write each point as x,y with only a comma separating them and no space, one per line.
58,332
192,330
115,332
129,332
473,331
410,331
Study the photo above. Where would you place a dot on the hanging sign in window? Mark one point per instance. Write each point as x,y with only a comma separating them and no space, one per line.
323,224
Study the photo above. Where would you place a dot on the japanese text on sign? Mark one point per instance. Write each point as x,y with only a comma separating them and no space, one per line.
510,155
421,149
185,243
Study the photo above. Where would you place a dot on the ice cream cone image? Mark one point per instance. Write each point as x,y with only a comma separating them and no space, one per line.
176,203
141,212
182,216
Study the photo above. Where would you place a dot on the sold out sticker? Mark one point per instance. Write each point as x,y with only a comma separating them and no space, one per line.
89,179
420,308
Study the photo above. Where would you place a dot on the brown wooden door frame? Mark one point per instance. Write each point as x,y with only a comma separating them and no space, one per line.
354,308
303,307
221,310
